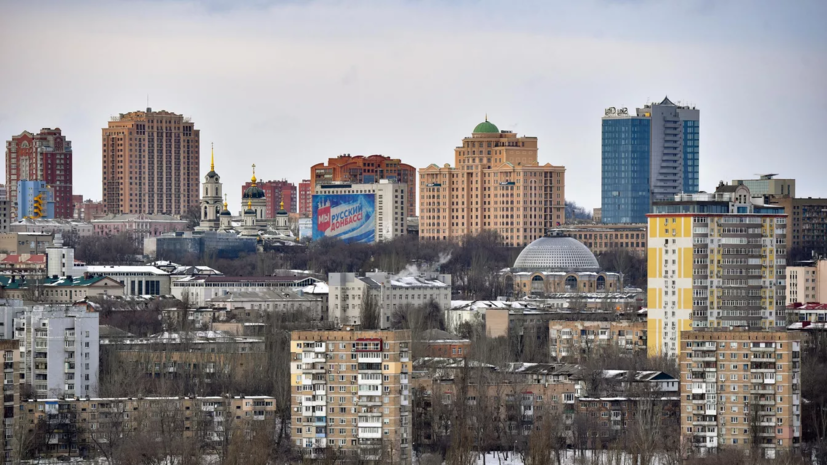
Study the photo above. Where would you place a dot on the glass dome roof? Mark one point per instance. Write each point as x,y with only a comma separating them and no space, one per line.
556,253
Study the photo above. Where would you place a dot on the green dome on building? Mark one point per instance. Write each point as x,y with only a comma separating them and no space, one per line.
486,127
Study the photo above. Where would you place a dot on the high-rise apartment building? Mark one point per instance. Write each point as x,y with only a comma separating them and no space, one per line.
496,184
276,192
649,156
741,389
350,394
150,163
362,169
58,350
714,261
305,199
45,156
806,225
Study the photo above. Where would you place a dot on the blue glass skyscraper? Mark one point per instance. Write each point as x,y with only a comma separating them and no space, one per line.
625,176
652,155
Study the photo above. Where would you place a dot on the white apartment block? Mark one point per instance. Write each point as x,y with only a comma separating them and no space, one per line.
390,203
390,292
351,396
59,353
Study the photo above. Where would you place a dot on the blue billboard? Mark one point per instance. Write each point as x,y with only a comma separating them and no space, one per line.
349,217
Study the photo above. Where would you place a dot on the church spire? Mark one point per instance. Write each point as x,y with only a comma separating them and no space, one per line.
254,175
212,157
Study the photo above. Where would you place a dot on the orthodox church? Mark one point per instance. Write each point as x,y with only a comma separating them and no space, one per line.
253,207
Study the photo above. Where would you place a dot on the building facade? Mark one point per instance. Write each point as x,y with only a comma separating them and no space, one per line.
150,163
59,351
348,294
53,226
351,395
741,388
390,202
89,210
807,283
601,238
276,192
45,156
139,225
571,340
362,169
93,427
35,199
806,225
496,184
137,279
766,184
714,261
198,289
652,155
305,199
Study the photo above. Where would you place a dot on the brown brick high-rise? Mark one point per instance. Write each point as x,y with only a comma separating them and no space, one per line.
150,163
45,156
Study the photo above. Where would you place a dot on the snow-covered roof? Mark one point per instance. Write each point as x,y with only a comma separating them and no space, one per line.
106,269
320,287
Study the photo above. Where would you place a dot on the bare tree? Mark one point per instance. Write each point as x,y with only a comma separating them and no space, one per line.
369,316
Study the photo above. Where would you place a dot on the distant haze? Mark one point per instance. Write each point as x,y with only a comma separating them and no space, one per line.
285,84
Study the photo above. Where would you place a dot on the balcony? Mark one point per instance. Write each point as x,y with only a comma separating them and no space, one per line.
369,357
704,423
311,357
762,349
370,433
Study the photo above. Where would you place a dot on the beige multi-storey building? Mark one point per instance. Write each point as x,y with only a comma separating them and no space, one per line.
741,388
714,260
150,163
350,394
496,184
574,339
807,283
601,238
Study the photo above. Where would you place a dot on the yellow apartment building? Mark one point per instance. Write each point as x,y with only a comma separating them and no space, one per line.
714,261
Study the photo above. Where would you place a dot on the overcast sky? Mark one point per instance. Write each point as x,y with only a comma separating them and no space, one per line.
286,84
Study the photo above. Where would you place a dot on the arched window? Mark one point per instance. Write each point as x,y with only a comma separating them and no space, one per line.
571,283
601,283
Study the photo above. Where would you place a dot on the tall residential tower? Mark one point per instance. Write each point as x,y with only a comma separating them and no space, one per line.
150,163
646,157
496,184
715,260
45,156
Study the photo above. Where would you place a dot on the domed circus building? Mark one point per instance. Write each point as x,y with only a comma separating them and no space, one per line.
558,264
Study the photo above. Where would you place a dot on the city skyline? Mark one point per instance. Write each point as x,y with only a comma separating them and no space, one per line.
409,90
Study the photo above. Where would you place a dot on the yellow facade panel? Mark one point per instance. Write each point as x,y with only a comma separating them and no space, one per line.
654,337
652,263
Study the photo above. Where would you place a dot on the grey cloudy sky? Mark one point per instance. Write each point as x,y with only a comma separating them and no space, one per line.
285,84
